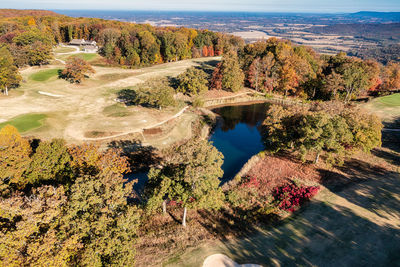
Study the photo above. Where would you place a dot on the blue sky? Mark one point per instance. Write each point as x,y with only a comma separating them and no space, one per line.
216,5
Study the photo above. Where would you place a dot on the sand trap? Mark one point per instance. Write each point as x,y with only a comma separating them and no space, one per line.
221,260
49,94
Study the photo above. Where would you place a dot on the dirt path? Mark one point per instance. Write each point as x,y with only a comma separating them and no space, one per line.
356,225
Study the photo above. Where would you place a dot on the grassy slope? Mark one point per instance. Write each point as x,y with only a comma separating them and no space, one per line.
85,56
387,108
26,122
390,100
353,225
77,109
44,75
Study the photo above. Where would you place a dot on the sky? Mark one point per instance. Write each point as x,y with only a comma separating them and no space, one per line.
320,6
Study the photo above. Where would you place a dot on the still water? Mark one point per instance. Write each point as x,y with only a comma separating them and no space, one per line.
237,135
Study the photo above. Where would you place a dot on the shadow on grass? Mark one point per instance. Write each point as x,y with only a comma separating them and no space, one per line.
357,224
320,236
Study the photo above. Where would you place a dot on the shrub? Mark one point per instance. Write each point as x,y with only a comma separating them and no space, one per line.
290,196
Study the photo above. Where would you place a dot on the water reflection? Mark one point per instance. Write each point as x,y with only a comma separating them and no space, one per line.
238,136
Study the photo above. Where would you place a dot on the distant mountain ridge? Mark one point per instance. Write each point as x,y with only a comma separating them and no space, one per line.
381,16
10,13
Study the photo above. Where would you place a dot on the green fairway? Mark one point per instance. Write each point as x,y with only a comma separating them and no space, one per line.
64,49
86,56
44,75
25,122
390,100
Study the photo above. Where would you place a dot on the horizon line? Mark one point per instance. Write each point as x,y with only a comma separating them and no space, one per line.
209,11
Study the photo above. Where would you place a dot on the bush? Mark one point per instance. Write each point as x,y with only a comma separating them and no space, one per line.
193,82
290,196
154,93
198,102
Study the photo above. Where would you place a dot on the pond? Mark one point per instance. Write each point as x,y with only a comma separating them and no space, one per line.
237,135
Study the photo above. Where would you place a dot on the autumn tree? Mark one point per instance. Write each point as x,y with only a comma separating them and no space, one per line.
14,157
99,220
49,163
391,76
76,69
9,75
232,77
262,74
190,177
35,45
193,81
216,78
355,79
154,93
336,132
29,235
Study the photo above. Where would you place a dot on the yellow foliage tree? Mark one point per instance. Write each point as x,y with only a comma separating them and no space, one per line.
14,156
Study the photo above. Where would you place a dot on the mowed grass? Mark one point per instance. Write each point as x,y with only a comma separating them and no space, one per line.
44,75
390,100
86,56
64,50
116,110
26,122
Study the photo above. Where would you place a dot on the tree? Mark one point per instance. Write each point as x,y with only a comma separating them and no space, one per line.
36,45
49,163
29,234
190,177
193,81
9,75
355,79
262,74
391,76
14,157
216,78
336,131
232,75
153,93
99,219
76,70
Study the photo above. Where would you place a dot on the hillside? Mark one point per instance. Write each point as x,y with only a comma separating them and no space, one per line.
389,32
10,13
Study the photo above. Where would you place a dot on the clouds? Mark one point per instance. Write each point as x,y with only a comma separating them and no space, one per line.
215,5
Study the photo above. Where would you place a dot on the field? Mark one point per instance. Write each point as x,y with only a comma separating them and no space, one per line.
387,108
86,56
25,123
88,111
44,75
64,49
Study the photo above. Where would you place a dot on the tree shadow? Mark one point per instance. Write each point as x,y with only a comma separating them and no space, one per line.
366,185
141,158
319,236
224,224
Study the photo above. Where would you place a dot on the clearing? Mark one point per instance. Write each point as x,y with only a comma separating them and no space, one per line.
79,112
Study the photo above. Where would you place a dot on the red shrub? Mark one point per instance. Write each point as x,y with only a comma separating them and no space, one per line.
290,196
